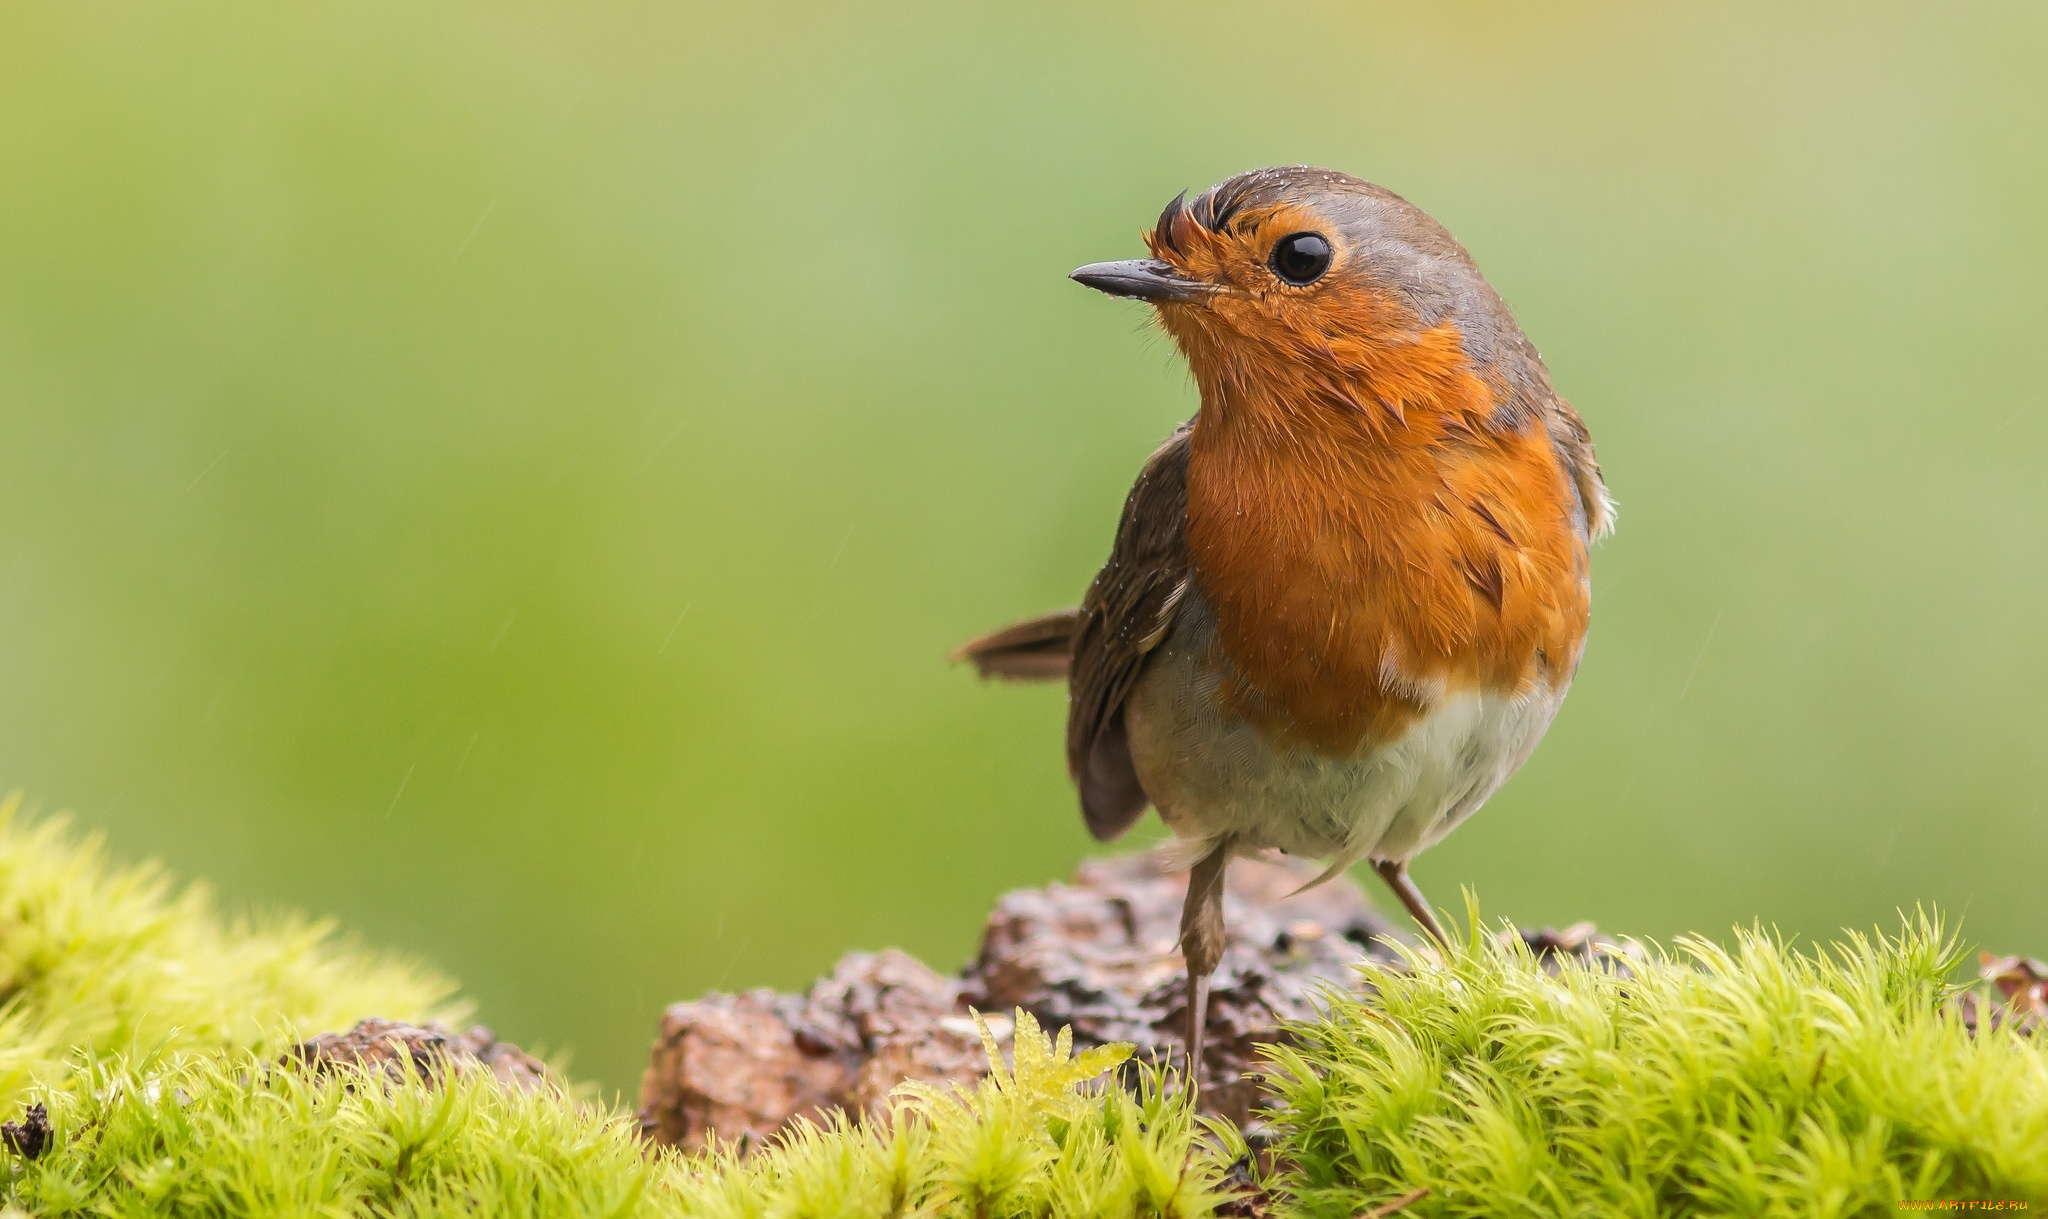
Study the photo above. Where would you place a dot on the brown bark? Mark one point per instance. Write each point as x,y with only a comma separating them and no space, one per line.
397,1049
1098,954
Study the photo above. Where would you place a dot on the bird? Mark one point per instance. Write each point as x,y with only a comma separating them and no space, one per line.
1345,600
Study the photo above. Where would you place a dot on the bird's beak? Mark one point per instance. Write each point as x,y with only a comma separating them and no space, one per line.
1145,279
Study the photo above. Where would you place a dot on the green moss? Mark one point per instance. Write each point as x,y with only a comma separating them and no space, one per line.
1756,1080
114,960
1751,1080
232,1135
236,1135
150,1028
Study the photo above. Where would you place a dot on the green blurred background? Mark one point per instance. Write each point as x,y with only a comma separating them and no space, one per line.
508,475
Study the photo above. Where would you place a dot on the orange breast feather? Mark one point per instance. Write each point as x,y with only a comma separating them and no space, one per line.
1374,541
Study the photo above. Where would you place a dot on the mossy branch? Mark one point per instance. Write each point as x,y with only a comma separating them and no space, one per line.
1751,1078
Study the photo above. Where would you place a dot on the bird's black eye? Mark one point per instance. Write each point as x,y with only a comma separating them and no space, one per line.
1301,258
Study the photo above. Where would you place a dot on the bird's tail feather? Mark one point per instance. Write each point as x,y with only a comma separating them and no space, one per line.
1037,649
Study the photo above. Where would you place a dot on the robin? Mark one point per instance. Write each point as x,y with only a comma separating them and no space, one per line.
1347,597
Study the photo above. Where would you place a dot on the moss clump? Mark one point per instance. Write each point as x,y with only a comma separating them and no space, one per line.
112,960
1749,1080
150,1029
236,1135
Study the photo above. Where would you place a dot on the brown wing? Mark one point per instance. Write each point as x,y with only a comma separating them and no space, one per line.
1126,613
1574,445
1037,649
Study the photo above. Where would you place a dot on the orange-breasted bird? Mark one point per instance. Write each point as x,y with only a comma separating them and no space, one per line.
1347,597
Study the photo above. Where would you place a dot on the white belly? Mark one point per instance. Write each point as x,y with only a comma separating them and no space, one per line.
1212,774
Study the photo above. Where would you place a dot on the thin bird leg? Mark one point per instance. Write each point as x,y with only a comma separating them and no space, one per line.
1201,946
1395,873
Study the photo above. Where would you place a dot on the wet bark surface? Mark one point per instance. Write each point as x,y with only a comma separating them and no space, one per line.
398,1050
1099,954
2018,998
